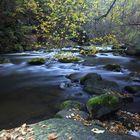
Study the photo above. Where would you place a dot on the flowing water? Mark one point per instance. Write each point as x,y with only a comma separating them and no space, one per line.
33,93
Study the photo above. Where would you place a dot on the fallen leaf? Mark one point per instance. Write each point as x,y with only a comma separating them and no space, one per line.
52,136
30,138
97,131
24,125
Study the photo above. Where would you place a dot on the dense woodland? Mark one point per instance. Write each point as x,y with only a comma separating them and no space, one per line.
28,24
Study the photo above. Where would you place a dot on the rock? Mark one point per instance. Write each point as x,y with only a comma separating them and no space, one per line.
100,87
74,114
103,105
4,60
113,136
79,94
103,54
65,129
94,84
132,89
113,67
36,61
74,77
69,60
69,104
128,99
132,50
92,76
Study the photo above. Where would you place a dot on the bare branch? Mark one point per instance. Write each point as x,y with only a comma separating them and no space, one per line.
108,11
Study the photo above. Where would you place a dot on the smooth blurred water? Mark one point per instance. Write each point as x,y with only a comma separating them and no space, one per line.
33,93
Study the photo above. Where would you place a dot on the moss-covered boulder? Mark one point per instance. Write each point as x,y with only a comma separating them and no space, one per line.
69,59
90,76
4,60
37,61
113,67
103,105
132,89
69,104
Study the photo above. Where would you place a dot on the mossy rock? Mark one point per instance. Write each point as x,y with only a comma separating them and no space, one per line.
92,76
69,59
103,105
69,104
113,67
133,89
4,60
36,61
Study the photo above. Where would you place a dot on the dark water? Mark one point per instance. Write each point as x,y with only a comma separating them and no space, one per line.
33,93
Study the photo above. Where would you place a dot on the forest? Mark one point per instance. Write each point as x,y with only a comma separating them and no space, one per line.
69,69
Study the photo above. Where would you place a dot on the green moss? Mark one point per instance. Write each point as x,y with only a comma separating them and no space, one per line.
106,100
113,67
66,57
36,61
69,59
71,104
91,50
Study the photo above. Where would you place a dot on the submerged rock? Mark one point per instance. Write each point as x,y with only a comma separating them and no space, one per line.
92,76
74,77
94,84
133,50
4,60
36,61
113,67
133,89
69,104
103,105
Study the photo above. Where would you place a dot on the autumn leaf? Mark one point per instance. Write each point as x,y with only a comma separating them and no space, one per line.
52,136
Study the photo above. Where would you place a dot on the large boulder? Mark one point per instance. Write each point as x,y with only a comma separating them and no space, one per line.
92,76
62,129
103,105
94,84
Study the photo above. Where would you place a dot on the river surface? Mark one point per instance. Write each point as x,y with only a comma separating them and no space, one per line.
33,93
